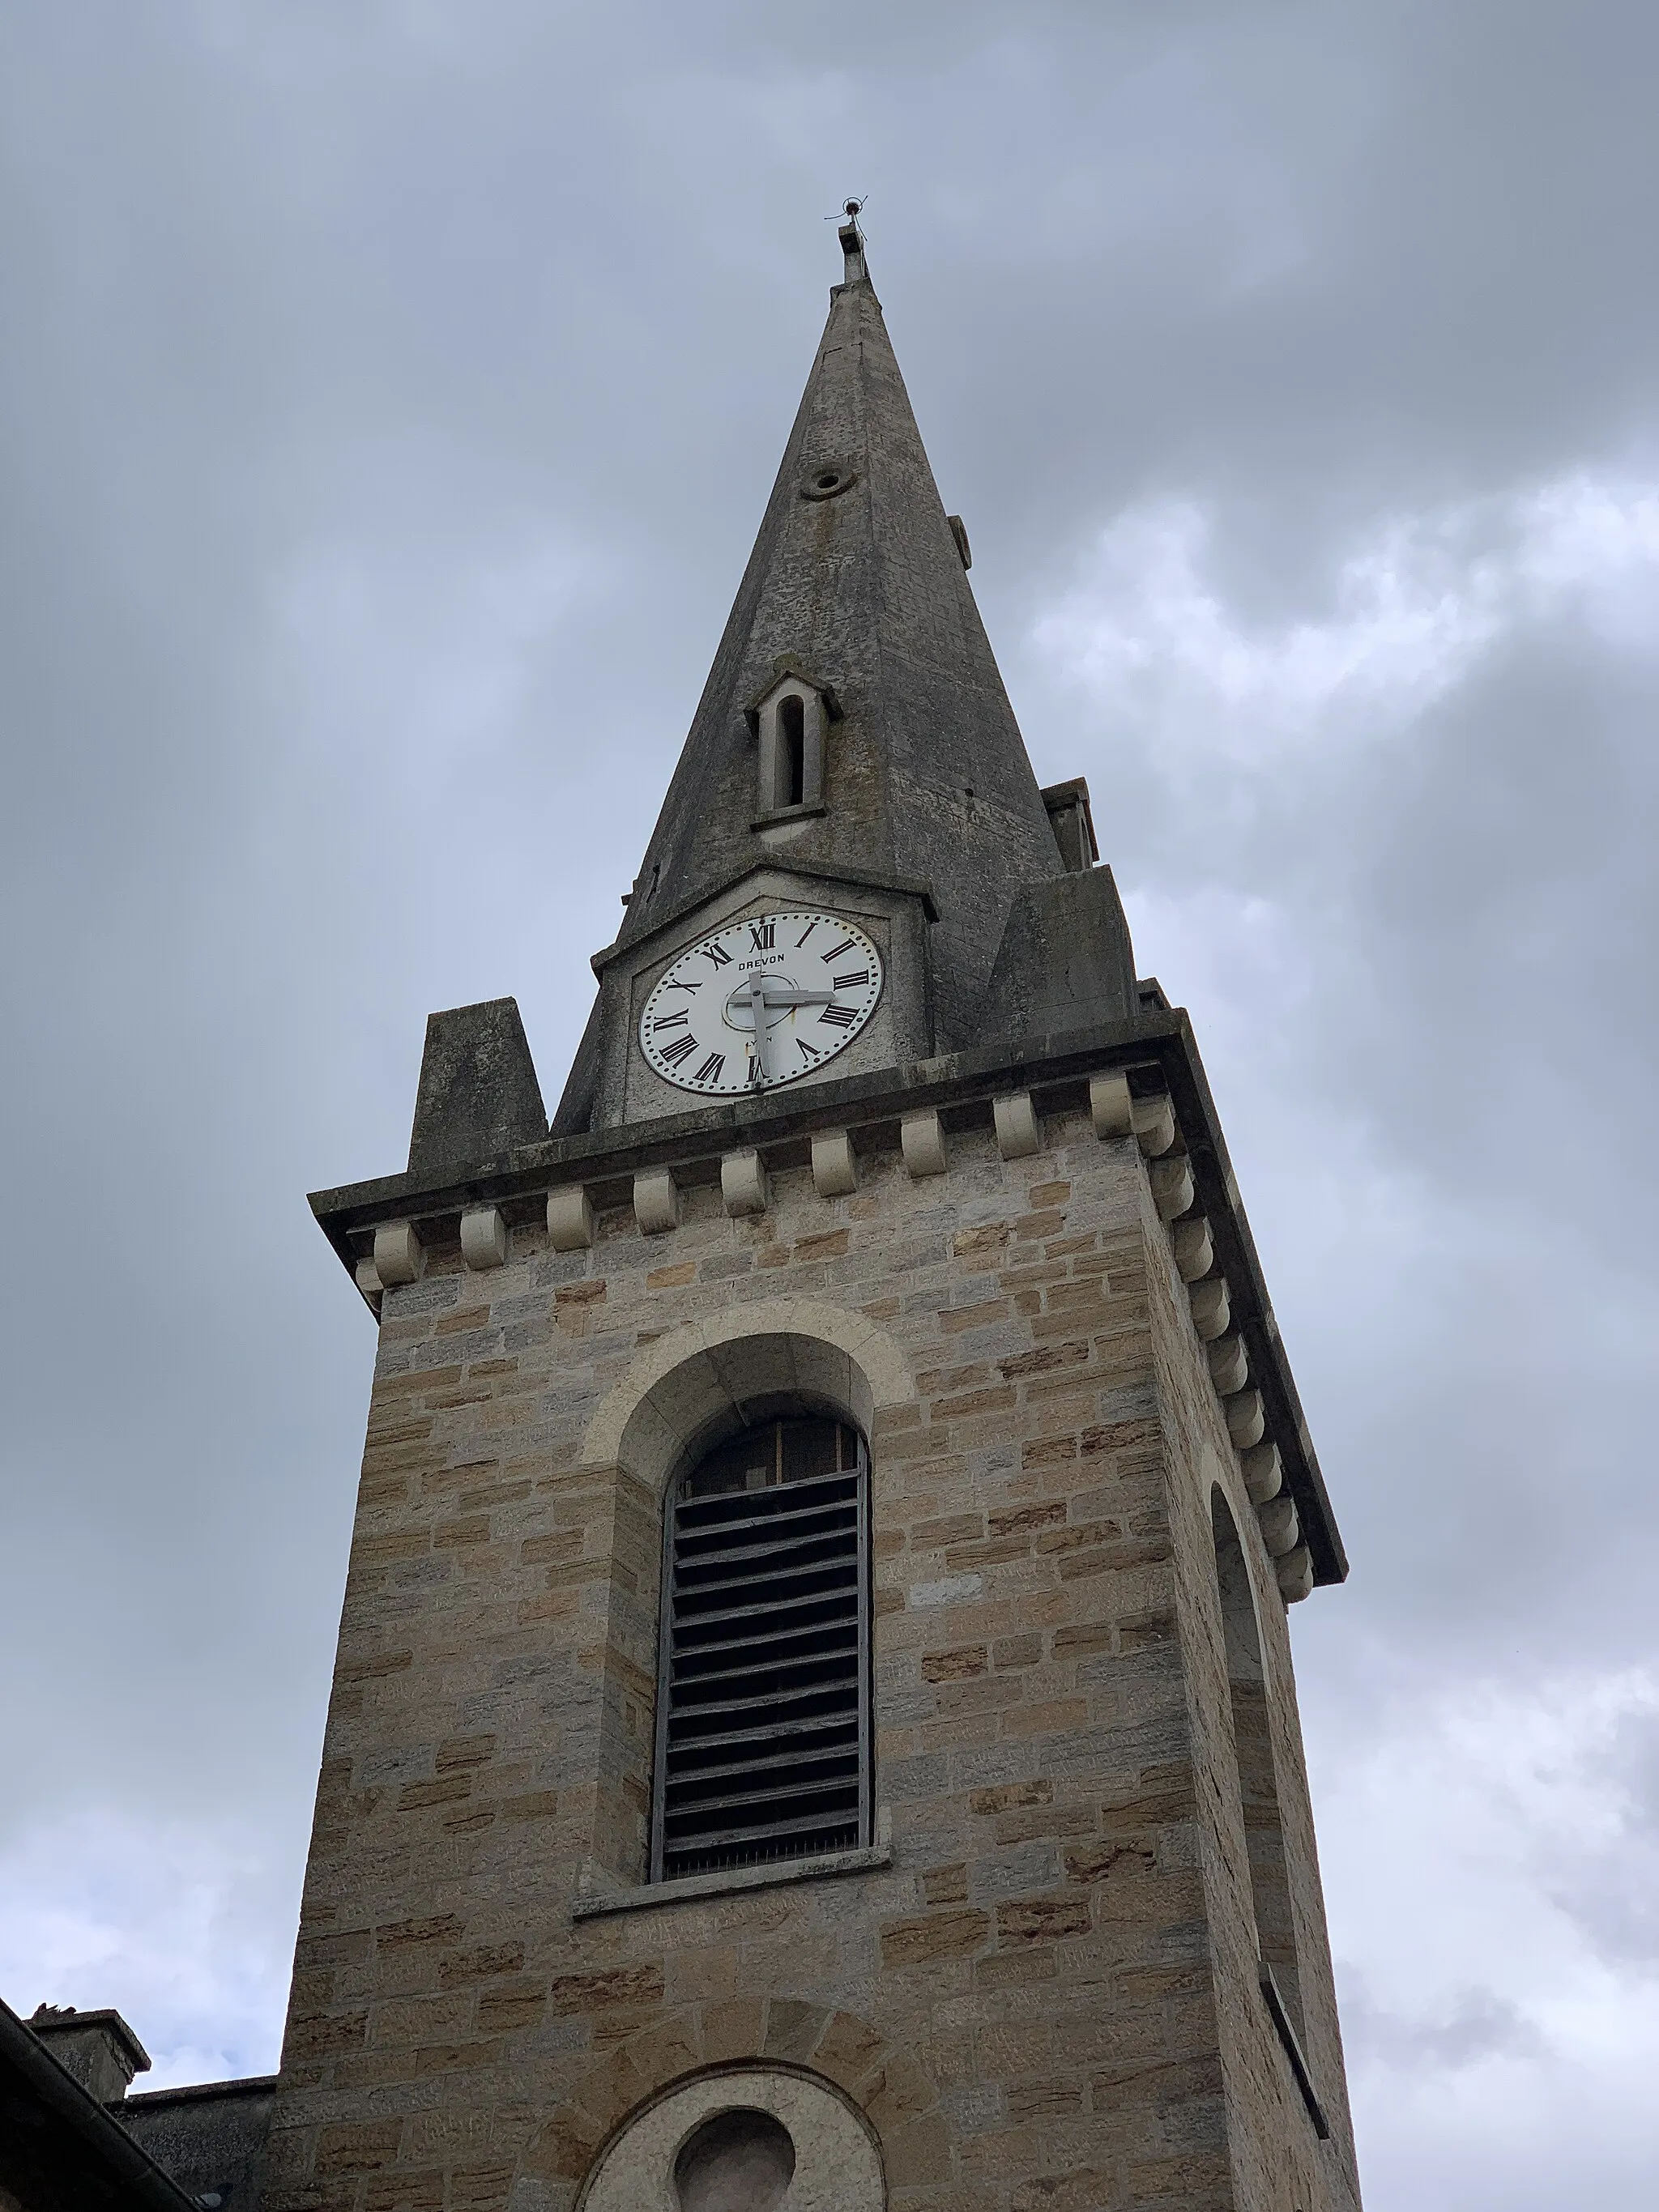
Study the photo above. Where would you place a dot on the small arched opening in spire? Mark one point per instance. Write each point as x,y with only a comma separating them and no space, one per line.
790,718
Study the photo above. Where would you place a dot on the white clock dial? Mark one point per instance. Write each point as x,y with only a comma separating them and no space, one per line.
760,1002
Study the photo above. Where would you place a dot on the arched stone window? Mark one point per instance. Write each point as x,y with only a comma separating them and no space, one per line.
753,2138
1258,1785
763,1695
790,720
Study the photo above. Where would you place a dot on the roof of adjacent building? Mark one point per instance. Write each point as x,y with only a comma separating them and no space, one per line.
60,2149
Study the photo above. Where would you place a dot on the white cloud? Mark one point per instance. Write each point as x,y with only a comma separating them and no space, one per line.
1494,2054
185,1926
1147,630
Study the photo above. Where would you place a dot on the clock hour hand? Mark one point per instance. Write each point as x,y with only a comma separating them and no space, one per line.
764,993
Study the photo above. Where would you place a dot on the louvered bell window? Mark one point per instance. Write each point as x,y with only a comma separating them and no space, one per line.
763,1705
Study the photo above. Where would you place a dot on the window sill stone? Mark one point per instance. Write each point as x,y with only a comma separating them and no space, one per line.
777,815
590,1902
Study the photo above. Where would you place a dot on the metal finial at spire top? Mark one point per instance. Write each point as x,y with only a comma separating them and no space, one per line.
850,212
852,236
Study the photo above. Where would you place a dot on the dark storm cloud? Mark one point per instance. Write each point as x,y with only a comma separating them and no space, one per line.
1477,2027
389,395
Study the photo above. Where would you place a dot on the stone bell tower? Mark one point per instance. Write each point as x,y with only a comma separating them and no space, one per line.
814,1722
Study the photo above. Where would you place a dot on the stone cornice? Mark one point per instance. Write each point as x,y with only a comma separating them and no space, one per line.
1156,1052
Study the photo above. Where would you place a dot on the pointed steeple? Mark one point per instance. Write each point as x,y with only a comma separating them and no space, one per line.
854,749
858,582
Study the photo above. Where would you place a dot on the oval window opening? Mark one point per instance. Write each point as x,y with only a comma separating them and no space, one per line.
737,2162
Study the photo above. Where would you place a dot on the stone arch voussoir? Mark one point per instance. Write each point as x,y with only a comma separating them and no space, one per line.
680,1383
899,2102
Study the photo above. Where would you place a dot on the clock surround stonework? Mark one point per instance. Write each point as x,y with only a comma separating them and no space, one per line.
628,1091
1079,1960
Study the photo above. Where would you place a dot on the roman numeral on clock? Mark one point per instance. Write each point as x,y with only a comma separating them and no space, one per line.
670,1021
762,933
710,1070
839,1018
841,951
675,1053
850,982
717,953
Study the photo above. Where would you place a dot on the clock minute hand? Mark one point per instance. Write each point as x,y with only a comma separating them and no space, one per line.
786,994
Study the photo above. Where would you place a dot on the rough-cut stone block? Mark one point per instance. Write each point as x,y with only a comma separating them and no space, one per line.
399,1255
742,1182
656,1202
569,1219
923,1137
1017,1135
834,1165
483,1237
936,1936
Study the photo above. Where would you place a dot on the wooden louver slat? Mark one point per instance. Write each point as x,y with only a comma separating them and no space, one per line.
762,1718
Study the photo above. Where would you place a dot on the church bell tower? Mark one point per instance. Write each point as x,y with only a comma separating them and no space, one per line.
814,1724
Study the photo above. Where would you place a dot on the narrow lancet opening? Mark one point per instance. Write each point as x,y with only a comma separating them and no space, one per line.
790,722
791,752
1253,1753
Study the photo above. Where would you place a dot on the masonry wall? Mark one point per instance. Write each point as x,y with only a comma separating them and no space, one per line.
1048,1999
1279,2163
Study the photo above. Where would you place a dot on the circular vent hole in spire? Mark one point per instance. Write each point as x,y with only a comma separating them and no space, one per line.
826,478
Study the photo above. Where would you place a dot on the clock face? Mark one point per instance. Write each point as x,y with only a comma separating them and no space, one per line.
760,1002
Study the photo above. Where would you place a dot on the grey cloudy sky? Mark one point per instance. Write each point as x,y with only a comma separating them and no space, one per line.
389,392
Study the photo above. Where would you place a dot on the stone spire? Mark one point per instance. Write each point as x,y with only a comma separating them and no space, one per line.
858,582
